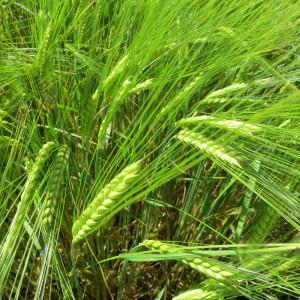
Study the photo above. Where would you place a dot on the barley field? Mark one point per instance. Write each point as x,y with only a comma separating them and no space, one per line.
150,149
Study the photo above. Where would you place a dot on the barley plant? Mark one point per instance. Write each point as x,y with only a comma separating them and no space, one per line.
149,149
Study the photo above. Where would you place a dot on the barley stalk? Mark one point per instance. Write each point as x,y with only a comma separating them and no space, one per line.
204,266
89,220
26,198
54,185
210,147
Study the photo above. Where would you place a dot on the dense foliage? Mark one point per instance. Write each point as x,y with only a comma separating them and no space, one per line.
149,149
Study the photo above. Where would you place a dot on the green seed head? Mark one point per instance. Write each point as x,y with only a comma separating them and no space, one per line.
107,198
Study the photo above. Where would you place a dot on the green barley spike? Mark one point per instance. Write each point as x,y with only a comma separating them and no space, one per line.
30,184
111,111
26,198
89,220
118,68
204,266
54,186
234,125
263,224
212,148
208,289
197,294
43,47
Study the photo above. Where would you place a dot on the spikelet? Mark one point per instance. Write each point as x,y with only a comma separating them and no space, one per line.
242,127
55,182
204,266
210,147
26,198
89,220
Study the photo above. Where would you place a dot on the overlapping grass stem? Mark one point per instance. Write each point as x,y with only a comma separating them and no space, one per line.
89,220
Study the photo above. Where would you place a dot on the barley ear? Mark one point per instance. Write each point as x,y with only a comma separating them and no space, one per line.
41,57
24,204
196,294
212,148
107,198
241,127
208,289
263,224
203,265
117,69
54,185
